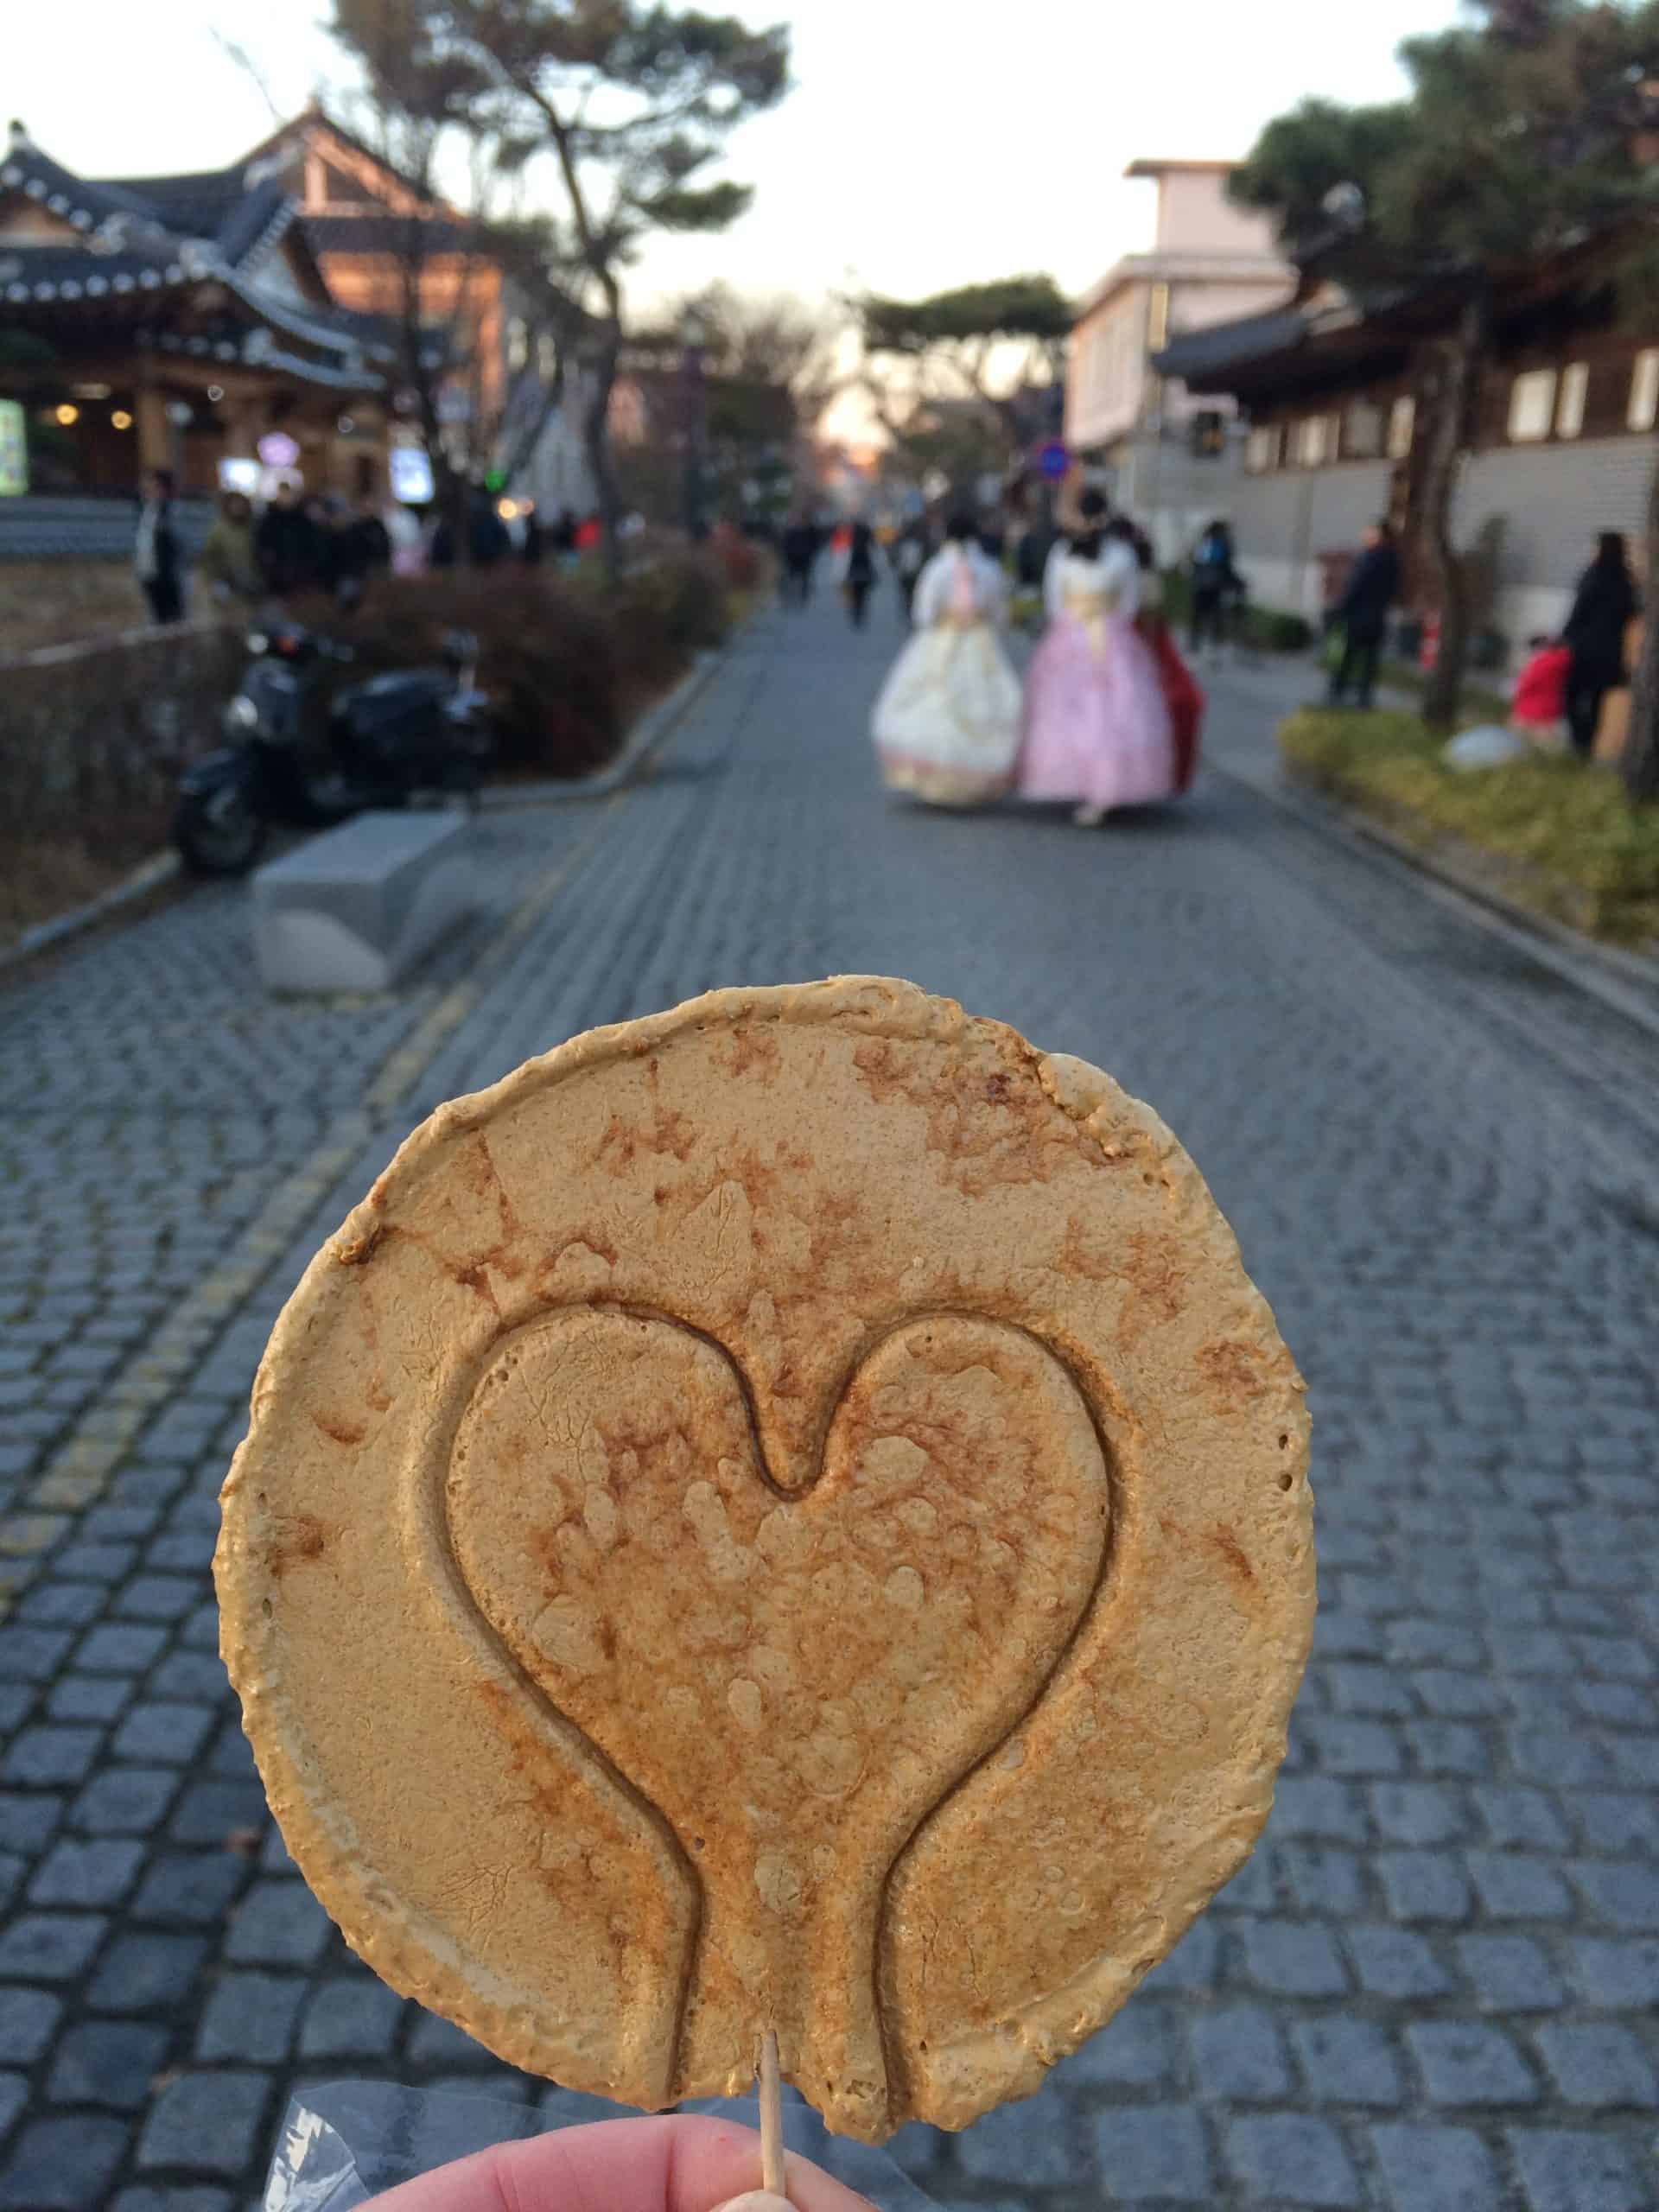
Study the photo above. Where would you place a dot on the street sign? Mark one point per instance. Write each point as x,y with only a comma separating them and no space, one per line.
1055,460
278,450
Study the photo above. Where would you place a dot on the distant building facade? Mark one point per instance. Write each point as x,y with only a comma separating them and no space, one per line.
1209,263
1566,436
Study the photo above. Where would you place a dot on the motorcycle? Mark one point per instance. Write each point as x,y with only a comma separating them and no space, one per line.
387,740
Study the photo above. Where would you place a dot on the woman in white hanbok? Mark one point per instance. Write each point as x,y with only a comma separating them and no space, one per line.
947,721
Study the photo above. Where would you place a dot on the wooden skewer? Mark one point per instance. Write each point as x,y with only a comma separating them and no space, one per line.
772,2118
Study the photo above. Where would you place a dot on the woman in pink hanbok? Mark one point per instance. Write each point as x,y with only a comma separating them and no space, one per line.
1097,728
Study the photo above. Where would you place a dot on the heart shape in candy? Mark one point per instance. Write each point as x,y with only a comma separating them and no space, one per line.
793,1682
785,1515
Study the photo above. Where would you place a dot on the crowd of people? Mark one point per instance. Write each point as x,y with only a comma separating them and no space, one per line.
299,543
1109,714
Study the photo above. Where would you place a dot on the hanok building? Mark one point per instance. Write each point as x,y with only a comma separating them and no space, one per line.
1170,457
179,322
1565,437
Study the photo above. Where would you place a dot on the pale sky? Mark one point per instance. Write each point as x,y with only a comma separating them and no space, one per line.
928,142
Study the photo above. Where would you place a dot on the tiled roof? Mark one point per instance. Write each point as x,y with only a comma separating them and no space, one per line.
383,234
1222,346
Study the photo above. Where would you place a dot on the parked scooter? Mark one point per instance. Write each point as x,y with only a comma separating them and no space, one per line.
386,740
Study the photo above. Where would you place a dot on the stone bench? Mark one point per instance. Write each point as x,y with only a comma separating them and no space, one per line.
354,909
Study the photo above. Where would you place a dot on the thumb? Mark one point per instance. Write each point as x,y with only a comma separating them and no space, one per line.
757,2200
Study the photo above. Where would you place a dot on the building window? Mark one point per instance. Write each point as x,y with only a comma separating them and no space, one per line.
1402,426
1361,433
1569,408
1158,318
1532,406
1644,412
1313,440
1264,449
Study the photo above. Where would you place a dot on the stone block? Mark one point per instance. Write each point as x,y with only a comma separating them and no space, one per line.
354,909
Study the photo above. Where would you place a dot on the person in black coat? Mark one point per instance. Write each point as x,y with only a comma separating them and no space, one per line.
286,546
1603,608
155,550
1362,610
533,544
861,572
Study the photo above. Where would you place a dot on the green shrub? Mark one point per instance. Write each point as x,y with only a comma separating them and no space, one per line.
1573,847
1267,629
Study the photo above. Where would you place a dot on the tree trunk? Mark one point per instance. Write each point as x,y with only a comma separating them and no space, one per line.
596,444
1453,432
1639,765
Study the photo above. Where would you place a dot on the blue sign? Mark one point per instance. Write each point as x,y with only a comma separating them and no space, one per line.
1055,460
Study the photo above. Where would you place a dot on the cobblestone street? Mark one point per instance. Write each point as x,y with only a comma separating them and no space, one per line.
1435,1987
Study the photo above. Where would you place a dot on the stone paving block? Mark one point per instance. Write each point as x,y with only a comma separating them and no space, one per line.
194,1677
1348,2063
1621,1893
146,1973
1323,1879
1563,2171
28,2019
1513,1887
1418,1812
1425,1885
1355,1747
62,2165
164,1734
120,1648
1599,2065
193,1888
1294,1958
1437,2170
1465,2064
1291,2158
1238,2054
1447,1747
49,1946
89,1697
278,1923
63,1604
107,2062
1617,1820
209,2123
1193,1963
41,1757
1520,1818
1030,2142
1155,2154
96,1562
125,1799
1509,1974
1134,2050
210,1811
157,1597
1317,1805
250,2017
354,2017
31,1655
14,2095
28,1820
86,1873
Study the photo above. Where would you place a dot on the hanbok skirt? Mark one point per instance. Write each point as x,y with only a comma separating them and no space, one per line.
1097,724
946,723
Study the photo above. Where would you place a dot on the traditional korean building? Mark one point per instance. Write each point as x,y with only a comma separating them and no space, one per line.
1566,444
179,322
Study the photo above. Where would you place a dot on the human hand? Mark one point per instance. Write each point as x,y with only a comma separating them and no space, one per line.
675,2165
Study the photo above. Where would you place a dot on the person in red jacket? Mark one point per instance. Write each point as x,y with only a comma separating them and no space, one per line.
1538,703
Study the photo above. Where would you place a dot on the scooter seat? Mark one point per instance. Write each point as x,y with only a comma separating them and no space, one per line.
367,709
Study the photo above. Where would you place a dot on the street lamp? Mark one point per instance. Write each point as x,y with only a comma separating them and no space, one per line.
694,337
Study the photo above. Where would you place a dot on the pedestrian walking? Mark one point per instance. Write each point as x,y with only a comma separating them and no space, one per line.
1097,730
533,543
800,549
562,538
1604,607
1214,578
946,723
155,550
1183,696
226,564
860,579
1362,611
907,557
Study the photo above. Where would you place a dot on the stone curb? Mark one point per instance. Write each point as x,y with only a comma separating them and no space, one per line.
149,876
647,733
1627,982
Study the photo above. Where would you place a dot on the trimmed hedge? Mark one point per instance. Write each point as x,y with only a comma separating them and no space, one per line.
1552,834
1265,629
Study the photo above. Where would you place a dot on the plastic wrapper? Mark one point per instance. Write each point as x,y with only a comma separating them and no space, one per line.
341,2143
